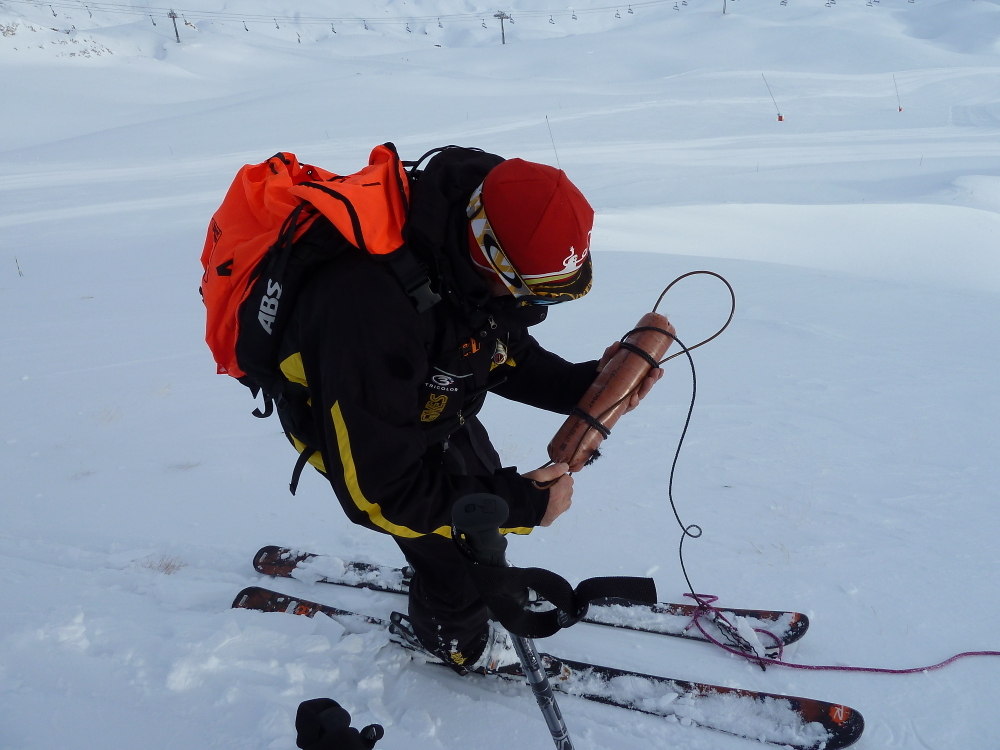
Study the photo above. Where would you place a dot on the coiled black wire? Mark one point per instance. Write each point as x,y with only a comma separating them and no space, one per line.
692,530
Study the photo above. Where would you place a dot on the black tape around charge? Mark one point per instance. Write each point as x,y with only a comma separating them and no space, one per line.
504,590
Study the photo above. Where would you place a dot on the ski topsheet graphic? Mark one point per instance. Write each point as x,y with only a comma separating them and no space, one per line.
663,618
799,723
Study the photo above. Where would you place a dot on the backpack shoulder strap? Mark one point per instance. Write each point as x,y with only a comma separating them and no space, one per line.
370,209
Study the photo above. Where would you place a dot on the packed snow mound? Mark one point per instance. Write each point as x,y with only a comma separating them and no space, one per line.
961,27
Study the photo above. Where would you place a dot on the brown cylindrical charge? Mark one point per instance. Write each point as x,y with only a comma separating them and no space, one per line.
577,440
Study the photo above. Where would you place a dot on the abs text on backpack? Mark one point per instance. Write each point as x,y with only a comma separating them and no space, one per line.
252,272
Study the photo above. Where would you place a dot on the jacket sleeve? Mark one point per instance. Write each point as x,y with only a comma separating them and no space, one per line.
543,379
363,356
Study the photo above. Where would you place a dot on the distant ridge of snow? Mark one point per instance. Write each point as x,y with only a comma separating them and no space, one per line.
949,246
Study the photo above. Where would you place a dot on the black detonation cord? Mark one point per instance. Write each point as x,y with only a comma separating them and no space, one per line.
693,530
594,422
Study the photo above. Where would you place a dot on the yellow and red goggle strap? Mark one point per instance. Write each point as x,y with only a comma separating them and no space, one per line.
490,248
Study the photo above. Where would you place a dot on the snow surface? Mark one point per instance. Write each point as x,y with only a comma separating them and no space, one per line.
842,458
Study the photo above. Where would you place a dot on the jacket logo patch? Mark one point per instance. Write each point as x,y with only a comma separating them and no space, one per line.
433,408
574,260
216,232
443,380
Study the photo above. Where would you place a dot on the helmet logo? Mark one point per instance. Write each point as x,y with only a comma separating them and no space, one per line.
572,262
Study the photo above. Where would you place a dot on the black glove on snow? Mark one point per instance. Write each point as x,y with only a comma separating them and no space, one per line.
323,725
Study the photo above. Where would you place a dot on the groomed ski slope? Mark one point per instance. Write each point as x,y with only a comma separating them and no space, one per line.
842,458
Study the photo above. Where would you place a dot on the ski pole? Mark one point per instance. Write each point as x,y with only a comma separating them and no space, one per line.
477,520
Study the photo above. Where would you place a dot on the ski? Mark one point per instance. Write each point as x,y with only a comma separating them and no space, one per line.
799,723
661,619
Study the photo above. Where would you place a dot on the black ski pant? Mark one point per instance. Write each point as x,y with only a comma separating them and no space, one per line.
445,609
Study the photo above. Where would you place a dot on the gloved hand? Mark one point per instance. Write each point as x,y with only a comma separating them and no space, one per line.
322,724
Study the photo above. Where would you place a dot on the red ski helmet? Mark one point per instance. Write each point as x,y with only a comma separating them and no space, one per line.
530,227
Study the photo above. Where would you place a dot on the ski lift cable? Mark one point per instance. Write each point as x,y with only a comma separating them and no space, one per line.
119,8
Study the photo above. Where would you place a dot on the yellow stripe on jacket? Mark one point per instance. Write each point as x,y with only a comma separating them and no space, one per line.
374,510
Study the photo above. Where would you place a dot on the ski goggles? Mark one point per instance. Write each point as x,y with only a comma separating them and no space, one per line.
550,289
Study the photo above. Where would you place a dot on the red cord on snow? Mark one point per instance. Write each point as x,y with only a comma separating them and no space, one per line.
706,609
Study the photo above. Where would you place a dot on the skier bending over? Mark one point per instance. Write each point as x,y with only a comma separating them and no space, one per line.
388,396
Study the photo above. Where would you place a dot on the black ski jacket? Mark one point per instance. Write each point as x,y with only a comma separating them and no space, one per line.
387,397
